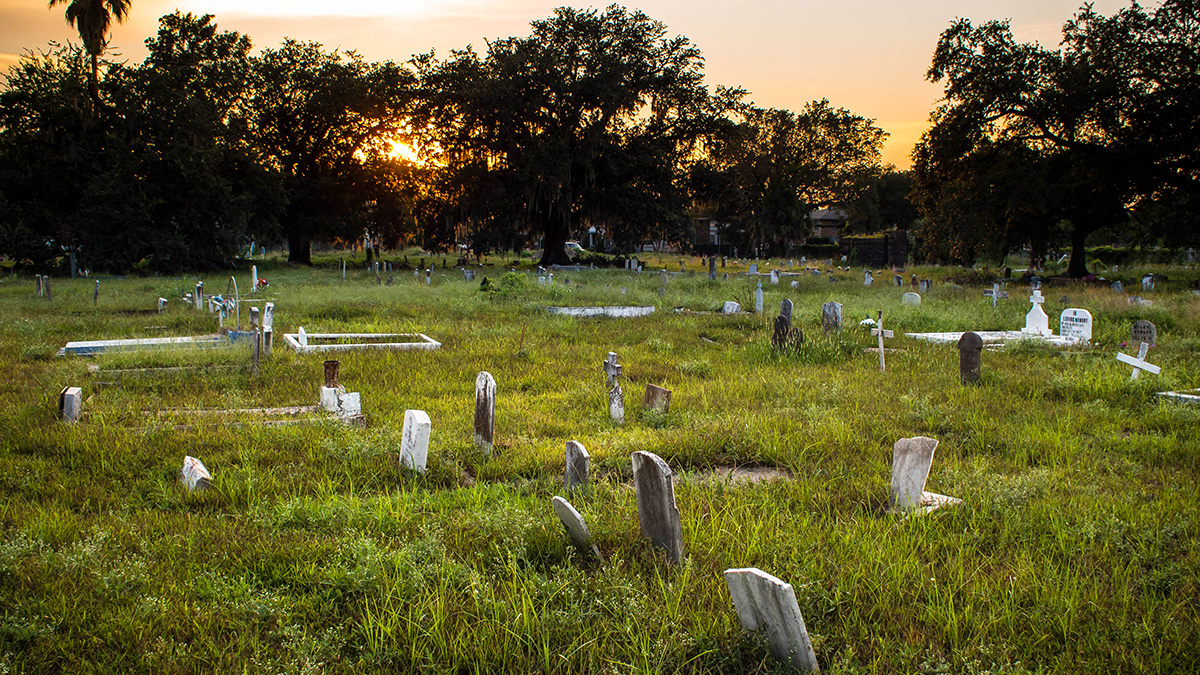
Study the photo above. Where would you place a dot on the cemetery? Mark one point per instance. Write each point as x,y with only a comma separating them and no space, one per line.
778,501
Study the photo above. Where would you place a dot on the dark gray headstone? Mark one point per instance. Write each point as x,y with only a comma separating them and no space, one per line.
1144,331
831,316
657,513
970,350
712,268
577,462
485,411
70,404
657,398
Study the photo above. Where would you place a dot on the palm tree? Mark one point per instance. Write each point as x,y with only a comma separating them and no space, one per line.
92,18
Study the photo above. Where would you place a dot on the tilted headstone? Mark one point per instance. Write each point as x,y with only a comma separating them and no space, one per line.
70,404
970,356
1139,362
194,475
577,530
577,465
1036,321
831,316
1118,286
731,307
657,513
758,298
910,298
911,461
414,440
485,410
867,278
774,276
616,398
657,398
767,604
1076,324
897,279
1144,331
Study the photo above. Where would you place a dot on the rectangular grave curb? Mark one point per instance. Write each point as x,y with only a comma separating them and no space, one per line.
293,340
616,311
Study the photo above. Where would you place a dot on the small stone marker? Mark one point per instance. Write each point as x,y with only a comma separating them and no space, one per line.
70,404
867,278
616,398
911,461
198,295
268,327
577,464
731,307
897,279
879,331
657,398
831,316
758,298
926,285
712,268
162,305
428,276
775,276
970,357
414,440
1118,286
767,604
253,278
1144,331
577,530
96,294
1036,321
193,475
753,269
1076,324
485,411
1139,363
657,513
910,298
40,288
795,284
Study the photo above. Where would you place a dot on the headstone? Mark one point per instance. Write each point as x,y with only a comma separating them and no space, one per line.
657,398
96,293
731,307
193,475
867,278
1140,301
577,530
881,333
657,513
1144,331
785,310
665,277
910,298
753,269
485,411
428,276
758,298
40,287
1118,286
775,276
253,278
162,305
712,268
1076,324
831,316
1148,282
1036,321
911,461
795,284
926,285
46,287
302,337
767,604
577,464
1139,363
198,296
70,404
898,280
970,351
786,337
616,398
268,323
414,440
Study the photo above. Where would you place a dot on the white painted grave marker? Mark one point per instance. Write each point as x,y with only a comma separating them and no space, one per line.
414,440
193,475
1076,324
1139,362
911,461
767,604
1036,321
879,331
910,298
485,411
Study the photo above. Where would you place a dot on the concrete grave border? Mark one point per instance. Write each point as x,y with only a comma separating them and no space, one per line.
615,311
425,342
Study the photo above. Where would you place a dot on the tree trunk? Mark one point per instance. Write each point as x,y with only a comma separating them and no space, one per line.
94,84
1078,267
299,249
556,228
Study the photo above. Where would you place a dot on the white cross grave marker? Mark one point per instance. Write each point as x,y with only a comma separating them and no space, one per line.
1036,321
1139,362
882,334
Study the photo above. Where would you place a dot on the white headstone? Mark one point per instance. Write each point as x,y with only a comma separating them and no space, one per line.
910,299
414,440
795,284
911,461
758,299
329,399
485,410
302,337
1036,321
162,304
349,404
753,268
1076,324
70,404
774,276
767,604
731,307
254,277
867,278
657,513
193,475
616,398
577,530
577,464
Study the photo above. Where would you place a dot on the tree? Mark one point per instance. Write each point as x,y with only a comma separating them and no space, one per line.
1107,120
316,117
92,18
551,126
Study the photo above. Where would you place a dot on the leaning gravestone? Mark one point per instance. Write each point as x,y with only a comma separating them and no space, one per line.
1076,324
616,398
911,461
910,299
485,411
1144,331
831,316
867,278
1118,286
786,337
577,530
70,404
657,398
897,279
657,513
193,475
767,604
414,440
970,351
577,461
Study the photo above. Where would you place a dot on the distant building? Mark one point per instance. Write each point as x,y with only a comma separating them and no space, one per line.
828,223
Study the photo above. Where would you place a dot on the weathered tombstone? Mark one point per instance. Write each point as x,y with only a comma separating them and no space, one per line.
665,277
970,356
1139,362
881,333
867,278
1148,282
712,268
758,298
577,530
657,398
485,411
910,298
914,281
897,279
786,337
253,278
1144,331
1036,321
1076,324
302,337
96,294
616,398
753,269
40,288
911,461
198,295
162,305
657,513
268,327
70,404
46,286
193,475
731,307
785,310
1118,286
926,285
831,316
577,465
767,604
775,276
428,276
414,440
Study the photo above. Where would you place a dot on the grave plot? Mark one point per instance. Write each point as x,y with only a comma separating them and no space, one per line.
616,311
1191,396
306,343
1074,324
90,347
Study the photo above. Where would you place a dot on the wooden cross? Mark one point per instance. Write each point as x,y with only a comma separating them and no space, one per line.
611,369
882,334
1139,362
995,294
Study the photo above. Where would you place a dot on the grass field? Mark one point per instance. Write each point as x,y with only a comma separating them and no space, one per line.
1074,549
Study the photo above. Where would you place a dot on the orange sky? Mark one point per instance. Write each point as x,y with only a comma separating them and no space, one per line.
869,56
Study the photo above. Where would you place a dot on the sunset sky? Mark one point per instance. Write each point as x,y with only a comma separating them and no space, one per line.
869,56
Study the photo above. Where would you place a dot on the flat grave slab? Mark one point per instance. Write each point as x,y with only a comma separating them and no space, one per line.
88,347
616,311
306,343
1191,396
995,338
